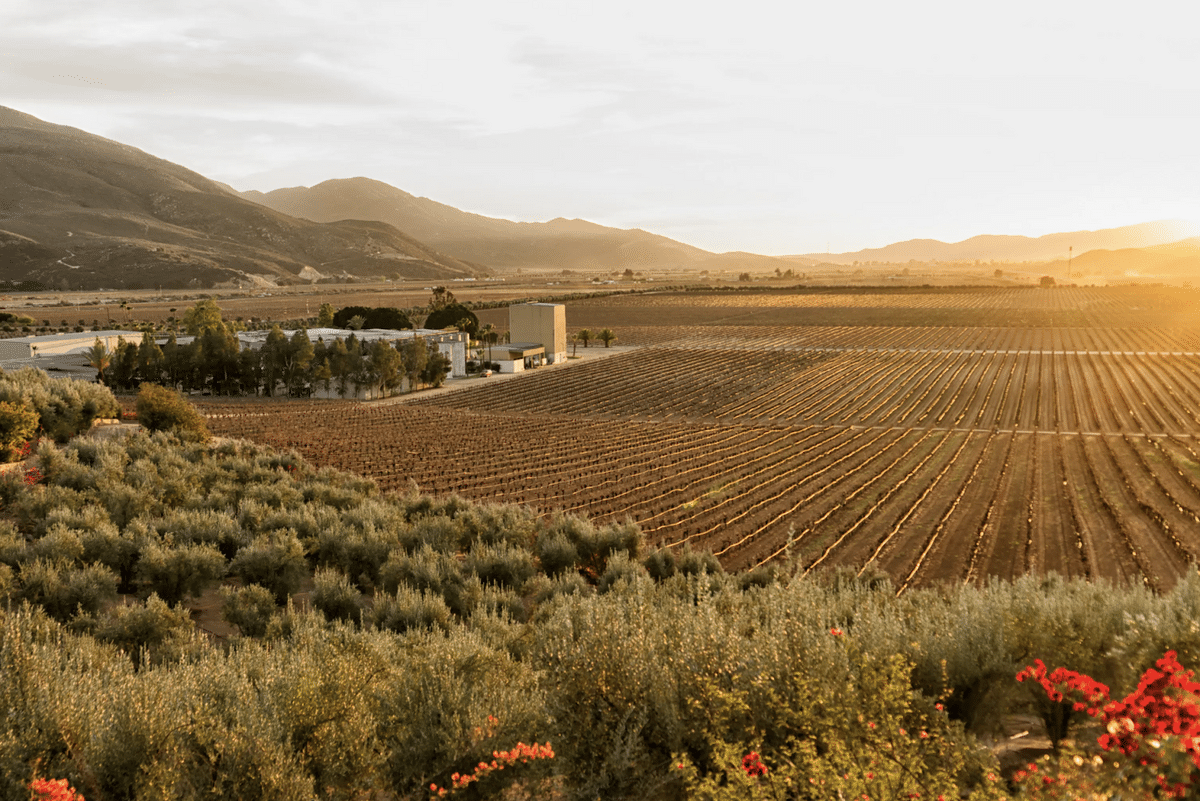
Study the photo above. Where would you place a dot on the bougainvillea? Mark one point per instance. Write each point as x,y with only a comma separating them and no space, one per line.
1151,738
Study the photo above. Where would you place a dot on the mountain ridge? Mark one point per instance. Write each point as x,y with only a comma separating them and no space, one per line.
560,243
81,211
1014,247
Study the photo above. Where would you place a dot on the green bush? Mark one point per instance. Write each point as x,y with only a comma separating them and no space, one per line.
65,407
275,561
163,409
152,631
176,572
64,591
334,596
505,565
556,553
409,609
250,608
18,424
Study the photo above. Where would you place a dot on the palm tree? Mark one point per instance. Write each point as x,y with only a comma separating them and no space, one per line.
99,357
574,344
584,335
489,335
606,336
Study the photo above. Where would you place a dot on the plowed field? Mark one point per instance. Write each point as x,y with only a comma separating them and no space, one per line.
933,453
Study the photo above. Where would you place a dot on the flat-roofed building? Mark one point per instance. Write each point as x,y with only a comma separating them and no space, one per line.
543,324
24,348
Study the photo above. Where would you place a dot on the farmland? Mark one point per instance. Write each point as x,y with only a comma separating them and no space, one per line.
1014,430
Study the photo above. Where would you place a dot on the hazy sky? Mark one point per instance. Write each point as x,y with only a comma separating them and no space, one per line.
732,126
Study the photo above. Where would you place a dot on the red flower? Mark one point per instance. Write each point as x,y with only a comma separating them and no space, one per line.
752,765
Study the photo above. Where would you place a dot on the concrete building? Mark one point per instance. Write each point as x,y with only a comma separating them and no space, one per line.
516,357
25,348
542,324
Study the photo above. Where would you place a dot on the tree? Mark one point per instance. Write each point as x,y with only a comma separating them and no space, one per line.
325,316
205,315
297,359
1047,282
123,365
414,356
488,335
441,298
163,409
151,363
574,344
218,358
437,365
744,277
356,322
607,336
385,364
453,316
585,336
99,358
272,357
387,317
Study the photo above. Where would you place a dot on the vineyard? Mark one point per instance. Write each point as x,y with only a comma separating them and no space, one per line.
928,453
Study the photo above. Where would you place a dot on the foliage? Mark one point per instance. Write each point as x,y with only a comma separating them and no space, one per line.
377,317
66,407
250,608
436,613
163,409
18,424
453,315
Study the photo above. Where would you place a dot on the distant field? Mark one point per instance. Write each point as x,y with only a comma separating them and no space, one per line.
934,453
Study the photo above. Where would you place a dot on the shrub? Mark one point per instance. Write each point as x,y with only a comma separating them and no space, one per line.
275,561
163,409
250,608
504,564
175,572
556,553
410,609
65,407
334,597
153,630
64,591
18,424
426,569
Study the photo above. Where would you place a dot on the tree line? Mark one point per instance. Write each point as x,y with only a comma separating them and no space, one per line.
214,361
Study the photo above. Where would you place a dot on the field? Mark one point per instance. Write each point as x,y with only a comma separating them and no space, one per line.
934,435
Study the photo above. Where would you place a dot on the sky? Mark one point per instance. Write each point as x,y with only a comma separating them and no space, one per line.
777,128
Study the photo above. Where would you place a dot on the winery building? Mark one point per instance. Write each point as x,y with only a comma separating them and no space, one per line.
537,335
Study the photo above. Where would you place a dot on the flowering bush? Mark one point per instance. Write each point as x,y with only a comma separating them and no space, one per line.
521,754
1151,739
752,765
53,790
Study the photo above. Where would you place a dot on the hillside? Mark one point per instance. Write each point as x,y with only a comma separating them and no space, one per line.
1021,248
81,211
501,244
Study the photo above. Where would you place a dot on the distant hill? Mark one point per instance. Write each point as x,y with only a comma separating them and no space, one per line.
501,244
1018,248
1172,260
81,211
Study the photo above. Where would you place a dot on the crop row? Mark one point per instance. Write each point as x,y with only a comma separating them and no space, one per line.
922,505
1101,301
887,338
1085,392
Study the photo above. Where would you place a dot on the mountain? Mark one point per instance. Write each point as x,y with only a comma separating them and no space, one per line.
81,211
1172,260
1019,248
501,244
